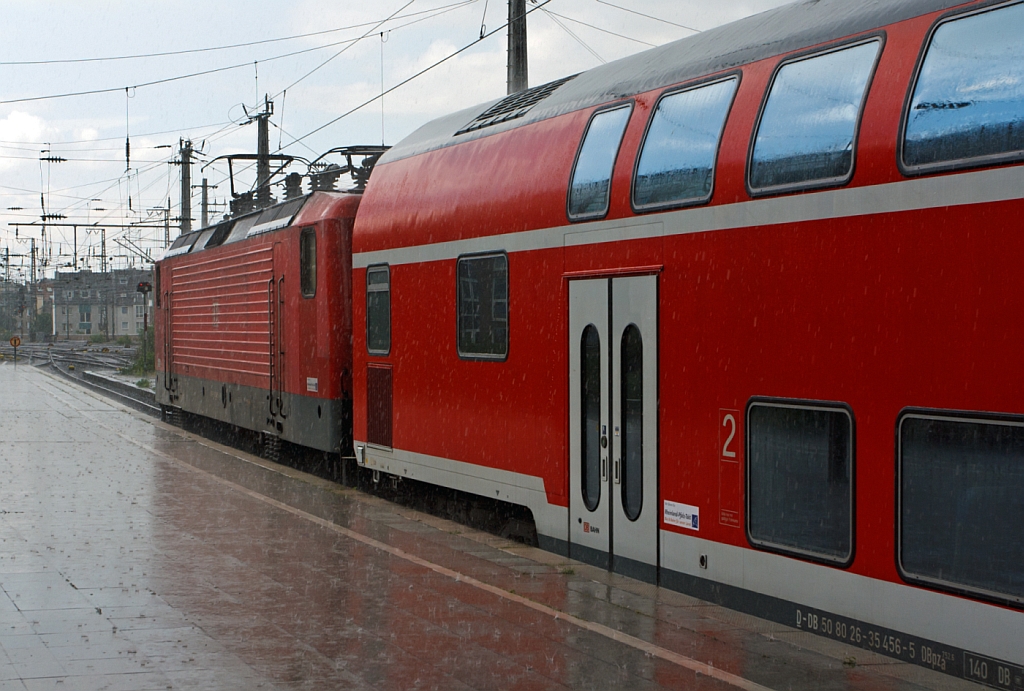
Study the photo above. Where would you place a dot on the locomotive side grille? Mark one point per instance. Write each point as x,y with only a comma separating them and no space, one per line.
219,314
378,405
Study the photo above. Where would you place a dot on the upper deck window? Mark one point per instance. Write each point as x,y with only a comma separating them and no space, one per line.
592,175
808,127
968,102
677,162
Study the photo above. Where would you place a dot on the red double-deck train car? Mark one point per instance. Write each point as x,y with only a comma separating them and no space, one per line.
253,322
736,315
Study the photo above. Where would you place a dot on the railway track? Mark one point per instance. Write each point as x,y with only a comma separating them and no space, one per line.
76,362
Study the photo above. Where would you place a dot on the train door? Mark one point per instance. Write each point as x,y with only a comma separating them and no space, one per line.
170,382
613,424
276,299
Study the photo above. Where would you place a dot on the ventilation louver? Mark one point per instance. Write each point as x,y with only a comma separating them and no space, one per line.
514,106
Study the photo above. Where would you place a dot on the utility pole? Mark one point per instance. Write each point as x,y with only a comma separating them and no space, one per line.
32,295
263,154
186,186
518,77
206,203
167,224
103,250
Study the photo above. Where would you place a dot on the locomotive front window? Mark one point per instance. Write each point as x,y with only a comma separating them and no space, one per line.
378,310
677,162
961,504
968,102
799,480
483,306
307,262
808,127
592,175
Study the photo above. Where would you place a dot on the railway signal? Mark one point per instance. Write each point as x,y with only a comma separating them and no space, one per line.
144,287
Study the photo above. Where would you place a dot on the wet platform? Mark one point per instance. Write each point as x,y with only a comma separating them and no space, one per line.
134,555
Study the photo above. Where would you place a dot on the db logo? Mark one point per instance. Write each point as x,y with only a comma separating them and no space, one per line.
587,528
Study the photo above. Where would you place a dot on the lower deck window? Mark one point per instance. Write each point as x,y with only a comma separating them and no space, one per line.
378,310
961,504
483,306
799,479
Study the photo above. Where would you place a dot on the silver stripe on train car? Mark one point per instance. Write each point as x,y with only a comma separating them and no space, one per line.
978,187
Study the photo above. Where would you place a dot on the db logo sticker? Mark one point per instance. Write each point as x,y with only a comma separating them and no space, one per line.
587,528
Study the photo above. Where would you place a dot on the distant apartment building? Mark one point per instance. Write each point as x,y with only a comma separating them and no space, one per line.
87,303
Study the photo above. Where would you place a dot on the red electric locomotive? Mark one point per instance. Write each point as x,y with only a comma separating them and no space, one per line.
253,317
736,315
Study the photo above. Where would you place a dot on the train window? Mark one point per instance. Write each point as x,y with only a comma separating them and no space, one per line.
961,503
590,410
632,424
800,479
307,262
808,127
378,310
483,306
677,162
968,102
592,174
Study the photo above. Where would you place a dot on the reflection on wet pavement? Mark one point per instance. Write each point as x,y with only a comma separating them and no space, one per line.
136,556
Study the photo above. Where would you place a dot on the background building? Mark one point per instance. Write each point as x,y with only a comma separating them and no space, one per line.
87,303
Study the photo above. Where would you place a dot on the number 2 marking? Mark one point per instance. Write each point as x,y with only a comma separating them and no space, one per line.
727,420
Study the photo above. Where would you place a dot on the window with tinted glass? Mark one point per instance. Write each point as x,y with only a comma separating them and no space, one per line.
483,306
677,162
590,417
307,262
378,310
968,102
808,127
961,503
592,175
631,390
800,479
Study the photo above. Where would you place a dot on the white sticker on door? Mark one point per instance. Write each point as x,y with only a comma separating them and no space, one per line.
312,384
682,515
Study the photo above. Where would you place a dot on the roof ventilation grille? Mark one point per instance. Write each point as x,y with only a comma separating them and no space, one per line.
514,106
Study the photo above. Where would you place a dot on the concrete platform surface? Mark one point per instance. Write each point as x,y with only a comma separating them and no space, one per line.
134,555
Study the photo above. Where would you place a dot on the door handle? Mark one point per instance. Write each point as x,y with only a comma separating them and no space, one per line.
617,471
604,468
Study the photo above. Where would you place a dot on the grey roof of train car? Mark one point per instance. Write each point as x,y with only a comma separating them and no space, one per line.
782,30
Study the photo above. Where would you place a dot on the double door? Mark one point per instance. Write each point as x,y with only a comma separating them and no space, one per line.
613,424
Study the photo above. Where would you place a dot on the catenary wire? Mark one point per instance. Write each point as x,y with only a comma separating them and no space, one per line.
224,47
576,38
597,28
649,16
408,79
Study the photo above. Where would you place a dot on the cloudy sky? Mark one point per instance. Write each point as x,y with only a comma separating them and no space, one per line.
316,59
